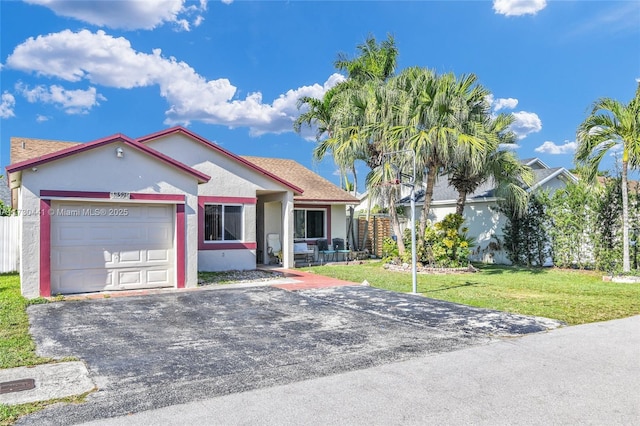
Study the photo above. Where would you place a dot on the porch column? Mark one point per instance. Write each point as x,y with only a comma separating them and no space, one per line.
287,230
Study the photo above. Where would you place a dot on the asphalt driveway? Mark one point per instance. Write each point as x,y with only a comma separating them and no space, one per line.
154,351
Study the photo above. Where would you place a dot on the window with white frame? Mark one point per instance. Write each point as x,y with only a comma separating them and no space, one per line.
223,222
309,223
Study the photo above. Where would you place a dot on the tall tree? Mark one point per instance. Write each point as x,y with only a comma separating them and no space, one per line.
342,113
612,124
430,123
498,166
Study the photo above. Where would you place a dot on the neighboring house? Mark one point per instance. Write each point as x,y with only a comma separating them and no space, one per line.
481,214
121,213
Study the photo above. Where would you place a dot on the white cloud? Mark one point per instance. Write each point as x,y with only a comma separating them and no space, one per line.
41,118
551,148
72,101
7,103
525,123
128,14
505,103
518,7
509,146
108,61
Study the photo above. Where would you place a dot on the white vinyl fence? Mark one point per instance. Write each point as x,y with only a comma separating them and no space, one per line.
9,243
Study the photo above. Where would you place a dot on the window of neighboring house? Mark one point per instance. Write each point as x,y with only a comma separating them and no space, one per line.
309,223
222,222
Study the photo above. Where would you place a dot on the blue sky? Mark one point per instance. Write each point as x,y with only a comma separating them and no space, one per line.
232,71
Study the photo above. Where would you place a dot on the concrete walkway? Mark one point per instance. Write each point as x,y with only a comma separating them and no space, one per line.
301,280
587,374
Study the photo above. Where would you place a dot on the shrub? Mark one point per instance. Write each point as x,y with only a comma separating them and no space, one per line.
446,245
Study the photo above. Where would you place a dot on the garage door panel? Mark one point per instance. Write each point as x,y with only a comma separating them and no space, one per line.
130,256
100,232
157,255
81,281
65,258
69,233
157,233
159,212
160,277
130,277
111,251
130,232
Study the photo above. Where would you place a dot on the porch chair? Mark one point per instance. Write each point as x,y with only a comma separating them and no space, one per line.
274,248
338,246
324,251
302,251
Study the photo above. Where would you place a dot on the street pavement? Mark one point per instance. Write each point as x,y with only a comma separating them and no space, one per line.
581,375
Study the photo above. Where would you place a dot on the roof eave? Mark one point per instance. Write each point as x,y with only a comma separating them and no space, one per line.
57,155
325,201
215,147
560,171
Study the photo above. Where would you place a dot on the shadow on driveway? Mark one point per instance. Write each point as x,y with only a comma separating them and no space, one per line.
160,350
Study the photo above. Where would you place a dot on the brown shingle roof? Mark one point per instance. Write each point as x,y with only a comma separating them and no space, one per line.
27,148
633,185
316,188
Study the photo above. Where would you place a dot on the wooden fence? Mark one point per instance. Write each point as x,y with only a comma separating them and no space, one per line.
9,243
378,229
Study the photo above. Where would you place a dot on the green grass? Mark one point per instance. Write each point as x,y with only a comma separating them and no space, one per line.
10,413
16,346
575,297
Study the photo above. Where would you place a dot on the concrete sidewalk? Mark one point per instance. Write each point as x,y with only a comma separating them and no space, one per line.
587,374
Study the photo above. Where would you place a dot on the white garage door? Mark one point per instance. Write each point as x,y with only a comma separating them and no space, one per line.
109,246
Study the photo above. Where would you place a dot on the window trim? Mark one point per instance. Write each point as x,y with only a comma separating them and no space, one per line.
327,220
222,244
242,223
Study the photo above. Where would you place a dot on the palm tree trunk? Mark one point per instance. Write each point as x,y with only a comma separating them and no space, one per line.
461,201
426,205
626,264
395,224
352,233
367,221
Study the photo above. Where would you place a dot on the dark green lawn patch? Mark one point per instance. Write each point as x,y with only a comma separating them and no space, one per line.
573,296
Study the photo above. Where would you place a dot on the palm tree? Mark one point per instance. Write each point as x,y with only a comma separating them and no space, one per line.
339,115
612,124
431,123
342,112
501,167
376,62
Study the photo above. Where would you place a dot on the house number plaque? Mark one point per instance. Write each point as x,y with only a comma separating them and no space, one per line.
119,195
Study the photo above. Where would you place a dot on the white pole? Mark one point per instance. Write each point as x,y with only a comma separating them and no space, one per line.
414,271
414,255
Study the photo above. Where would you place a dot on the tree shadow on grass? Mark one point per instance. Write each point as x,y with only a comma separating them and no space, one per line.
502,269
466,284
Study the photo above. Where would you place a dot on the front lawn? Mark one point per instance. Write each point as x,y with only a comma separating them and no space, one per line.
16,346
576,297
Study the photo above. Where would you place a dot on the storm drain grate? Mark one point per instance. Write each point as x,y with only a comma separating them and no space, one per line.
17,385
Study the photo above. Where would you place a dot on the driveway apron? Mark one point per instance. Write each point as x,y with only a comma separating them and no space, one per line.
159,350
